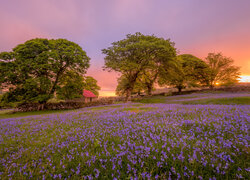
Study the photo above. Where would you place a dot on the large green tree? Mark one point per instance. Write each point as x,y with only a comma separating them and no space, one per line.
149,75
32,70
187,70
132,55
221,70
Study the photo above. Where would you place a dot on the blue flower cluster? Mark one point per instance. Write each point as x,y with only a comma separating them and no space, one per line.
155,141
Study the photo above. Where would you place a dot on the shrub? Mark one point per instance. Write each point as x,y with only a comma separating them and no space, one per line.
24,107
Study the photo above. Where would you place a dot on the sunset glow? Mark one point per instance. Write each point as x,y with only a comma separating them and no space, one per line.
107,93
196,27
244,78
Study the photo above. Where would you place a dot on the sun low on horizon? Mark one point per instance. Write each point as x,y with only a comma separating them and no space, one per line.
124,89
111,93
195,27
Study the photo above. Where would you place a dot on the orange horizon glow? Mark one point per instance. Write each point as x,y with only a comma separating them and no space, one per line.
244,78
107,93
110,93
94,25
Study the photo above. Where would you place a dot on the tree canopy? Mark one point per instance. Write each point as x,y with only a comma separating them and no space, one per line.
187,71
221,70
39,68
136,53
32,70
70,86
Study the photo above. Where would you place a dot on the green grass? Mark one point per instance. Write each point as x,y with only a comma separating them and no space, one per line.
10,114
226,101
153,99
172,100
177,138
181,97
140,109
149,100
104,107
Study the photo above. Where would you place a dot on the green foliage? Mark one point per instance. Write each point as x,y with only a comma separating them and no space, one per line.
221,70
91,84
188,70
32,70
6,104
70,86
133,55
123,84
194,68
148,77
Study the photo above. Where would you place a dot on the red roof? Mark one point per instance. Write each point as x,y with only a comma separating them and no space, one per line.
88,94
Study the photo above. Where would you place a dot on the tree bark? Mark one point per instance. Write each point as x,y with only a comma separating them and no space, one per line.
150,84
55,83
149,90
128,95
41,107
211,85
61,70
179,89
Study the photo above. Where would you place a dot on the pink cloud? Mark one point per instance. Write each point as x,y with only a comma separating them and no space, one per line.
29,19
15,31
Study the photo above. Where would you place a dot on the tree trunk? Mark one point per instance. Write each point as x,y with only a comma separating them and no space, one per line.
179,89
149,90
56,80
211,86
139,93
41,107
128,95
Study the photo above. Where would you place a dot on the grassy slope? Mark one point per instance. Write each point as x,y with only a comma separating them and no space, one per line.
226,101
154,99
49,142
9,114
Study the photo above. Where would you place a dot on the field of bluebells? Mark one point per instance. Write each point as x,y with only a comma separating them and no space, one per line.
129,141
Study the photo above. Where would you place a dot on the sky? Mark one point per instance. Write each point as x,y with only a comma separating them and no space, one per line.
196,26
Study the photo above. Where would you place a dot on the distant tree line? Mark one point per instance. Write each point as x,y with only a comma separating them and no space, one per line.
146,61
39,69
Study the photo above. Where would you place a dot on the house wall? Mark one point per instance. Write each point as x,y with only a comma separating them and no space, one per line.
86,100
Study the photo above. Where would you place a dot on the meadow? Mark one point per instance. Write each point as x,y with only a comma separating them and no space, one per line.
197,136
